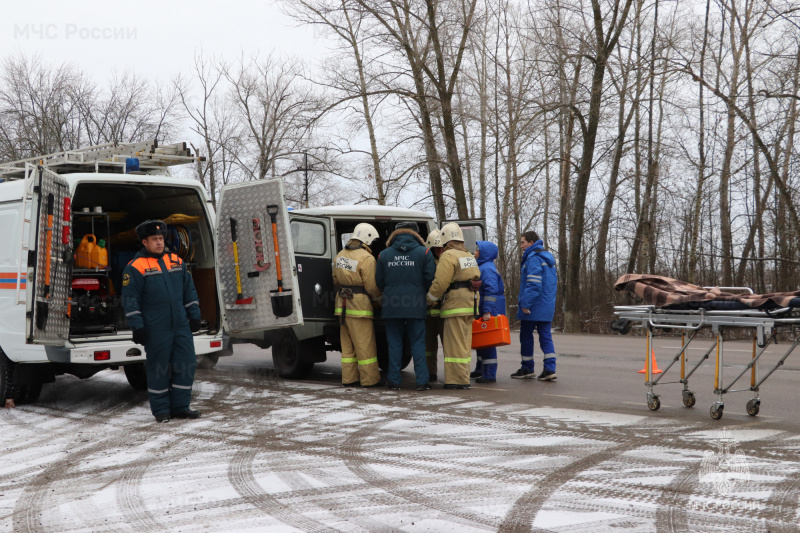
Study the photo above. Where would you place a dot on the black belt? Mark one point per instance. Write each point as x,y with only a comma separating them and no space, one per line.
347,292
472,285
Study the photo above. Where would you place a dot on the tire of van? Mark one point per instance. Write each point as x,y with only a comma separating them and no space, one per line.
6,374
30,393
208,361
293,358
136,376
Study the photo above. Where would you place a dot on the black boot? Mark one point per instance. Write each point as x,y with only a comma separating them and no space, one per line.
188,413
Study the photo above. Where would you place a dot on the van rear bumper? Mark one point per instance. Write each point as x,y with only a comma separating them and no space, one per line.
120,352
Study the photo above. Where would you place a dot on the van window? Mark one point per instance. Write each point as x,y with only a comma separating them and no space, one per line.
472,234
10,249
308,237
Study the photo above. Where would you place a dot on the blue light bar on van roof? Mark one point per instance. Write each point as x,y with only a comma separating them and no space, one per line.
131,165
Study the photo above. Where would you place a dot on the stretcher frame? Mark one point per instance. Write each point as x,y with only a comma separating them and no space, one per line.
765,326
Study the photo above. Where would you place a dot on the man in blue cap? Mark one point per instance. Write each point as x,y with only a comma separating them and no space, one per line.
163,311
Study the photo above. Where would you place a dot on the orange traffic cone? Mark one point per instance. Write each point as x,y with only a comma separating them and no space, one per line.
654,369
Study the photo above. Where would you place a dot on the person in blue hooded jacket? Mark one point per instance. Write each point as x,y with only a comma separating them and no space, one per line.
537,305
404,274
493,303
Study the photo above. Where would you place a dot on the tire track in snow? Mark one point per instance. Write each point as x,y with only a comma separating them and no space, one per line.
241,477
523,513
353,453
784,501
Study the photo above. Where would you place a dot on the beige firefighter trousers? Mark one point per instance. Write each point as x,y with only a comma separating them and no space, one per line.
457,348
359,352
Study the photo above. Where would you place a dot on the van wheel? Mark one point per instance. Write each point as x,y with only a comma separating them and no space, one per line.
29,393
208,361
291,356
136,376
7,390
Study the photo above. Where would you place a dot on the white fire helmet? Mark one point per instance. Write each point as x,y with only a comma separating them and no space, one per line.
451,232
365,233
434,239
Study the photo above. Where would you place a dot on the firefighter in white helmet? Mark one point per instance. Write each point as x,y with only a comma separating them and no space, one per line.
433,324
456,284
356,292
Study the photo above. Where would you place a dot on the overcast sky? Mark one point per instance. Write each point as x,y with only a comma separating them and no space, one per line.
153,38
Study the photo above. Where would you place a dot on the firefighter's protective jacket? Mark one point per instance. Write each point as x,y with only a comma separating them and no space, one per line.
456,264
158,292
354,267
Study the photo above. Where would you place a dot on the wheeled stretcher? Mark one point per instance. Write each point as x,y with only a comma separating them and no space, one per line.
764,324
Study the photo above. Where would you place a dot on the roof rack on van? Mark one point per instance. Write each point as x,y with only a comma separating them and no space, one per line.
109,157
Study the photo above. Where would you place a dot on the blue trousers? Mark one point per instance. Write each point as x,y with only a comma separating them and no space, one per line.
396,330
487,362
169,367
526,330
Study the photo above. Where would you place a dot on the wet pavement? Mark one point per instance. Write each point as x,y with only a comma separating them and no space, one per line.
583,454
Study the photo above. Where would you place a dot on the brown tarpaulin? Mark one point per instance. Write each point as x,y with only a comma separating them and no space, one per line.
662,291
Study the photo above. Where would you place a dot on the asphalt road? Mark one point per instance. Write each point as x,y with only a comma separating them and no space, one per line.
599,372
583,454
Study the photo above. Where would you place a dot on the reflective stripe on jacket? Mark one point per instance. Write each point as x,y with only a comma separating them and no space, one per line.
158,292
538,281
455,265
355,266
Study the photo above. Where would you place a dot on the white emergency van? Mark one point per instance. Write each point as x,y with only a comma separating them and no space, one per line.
67,230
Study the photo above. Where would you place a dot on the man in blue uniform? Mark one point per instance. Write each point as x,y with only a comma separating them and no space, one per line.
492,303
163,311
537,305
404,275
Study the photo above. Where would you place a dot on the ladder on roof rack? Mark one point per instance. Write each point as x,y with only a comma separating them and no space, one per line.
108,157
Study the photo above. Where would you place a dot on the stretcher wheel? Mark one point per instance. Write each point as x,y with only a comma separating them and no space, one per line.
689,399
654,403
753,406
716,411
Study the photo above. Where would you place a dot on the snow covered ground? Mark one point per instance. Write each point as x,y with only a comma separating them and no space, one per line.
274,455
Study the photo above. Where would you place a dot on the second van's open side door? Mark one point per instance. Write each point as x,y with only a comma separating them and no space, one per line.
474,230
260,295
49,259
311,238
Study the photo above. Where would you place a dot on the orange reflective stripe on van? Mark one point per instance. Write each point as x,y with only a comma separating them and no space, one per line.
8,280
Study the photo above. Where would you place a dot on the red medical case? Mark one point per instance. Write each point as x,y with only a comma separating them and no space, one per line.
490,333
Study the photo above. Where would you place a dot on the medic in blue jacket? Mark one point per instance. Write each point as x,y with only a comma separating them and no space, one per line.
162,309
537,305
493,303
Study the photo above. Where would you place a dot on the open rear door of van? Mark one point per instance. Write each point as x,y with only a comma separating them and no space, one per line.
49,260
474,230
257,280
